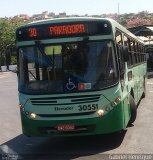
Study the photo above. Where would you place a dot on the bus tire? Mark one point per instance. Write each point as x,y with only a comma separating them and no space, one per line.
144,91
133,108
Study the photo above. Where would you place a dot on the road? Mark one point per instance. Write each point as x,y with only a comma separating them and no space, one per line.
137,139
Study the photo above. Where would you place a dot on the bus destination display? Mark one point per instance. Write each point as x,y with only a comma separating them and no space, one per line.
62,30
67,29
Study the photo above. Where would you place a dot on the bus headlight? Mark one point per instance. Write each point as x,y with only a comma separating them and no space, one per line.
100,112
32,115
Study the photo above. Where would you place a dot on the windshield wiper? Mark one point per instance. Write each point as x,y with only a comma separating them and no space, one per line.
49,59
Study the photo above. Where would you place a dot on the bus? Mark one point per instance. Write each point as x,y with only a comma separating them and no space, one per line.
145,33
78,76
149,51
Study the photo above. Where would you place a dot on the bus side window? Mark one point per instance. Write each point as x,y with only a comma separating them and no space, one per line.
127,43
133,52
139,49
119,44
130,53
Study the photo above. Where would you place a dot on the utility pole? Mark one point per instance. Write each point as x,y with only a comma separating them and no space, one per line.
118,7
118,13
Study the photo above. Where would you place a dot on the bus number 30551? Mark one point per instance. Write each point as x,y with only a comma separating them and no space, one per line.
89,107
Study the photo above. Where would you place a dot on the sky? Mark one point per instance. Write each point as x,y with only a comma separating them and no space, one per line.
10,8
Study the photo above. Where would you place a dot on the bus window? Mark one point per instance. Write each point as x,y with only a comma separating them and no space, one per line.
139,50
119,42
133,53
130,62
125,40
92,63
118,38
127,43
75,58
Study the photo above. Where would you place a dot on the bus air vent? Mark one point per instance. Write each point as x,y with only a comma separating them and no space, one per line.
65,100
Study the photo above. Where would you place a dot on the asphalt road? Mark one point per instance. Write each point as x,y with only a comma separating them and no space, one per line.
137,139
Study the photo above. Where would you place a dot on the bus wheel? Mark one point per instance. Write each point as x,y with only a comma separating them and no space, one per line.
133,108
144,91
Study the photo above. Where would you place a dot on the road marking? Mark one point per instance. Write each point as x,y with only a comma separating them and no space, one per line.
5,74
2,76
150,83
151,91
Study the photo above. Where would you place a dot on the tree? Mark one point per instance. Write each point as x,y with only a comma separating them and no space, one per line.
7,35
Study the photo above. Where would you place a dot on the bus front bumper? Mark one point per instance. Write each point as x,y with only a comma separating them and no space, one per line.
111,122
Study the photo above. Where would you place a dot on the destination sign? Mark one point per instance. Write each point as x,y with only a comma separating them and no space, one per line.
67,29
63,30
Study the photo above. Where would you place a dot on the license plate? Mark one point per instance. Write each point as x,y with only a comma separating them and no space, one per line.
65,127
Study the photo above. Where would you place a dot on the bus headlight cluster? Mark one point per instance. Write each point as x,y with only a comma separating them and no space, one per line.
32,115
116,102
100,112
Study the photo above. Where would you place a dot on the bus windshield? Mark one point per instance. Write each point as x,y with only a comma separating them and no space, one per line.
67,67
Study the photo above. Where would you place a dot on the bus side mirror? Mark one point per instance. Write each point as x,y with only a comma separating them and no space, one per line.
125,53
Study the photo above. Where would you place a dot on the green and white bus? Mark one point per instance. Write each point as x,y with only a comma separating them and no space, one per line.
78,76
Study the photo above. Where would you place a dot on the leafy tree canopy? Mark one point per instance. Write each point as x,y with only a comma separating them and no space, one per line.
7,32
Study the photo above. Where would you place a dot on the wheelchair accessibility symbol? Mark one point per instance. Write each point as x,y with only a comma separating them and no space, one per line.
70,85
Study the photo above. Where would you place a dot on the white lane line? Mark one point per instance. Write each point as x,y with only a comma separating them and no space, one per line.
151,91
5,75
150,83
2,76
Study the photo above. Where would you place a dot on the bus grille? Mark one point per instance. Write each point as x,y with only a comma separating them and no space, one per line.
65,100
